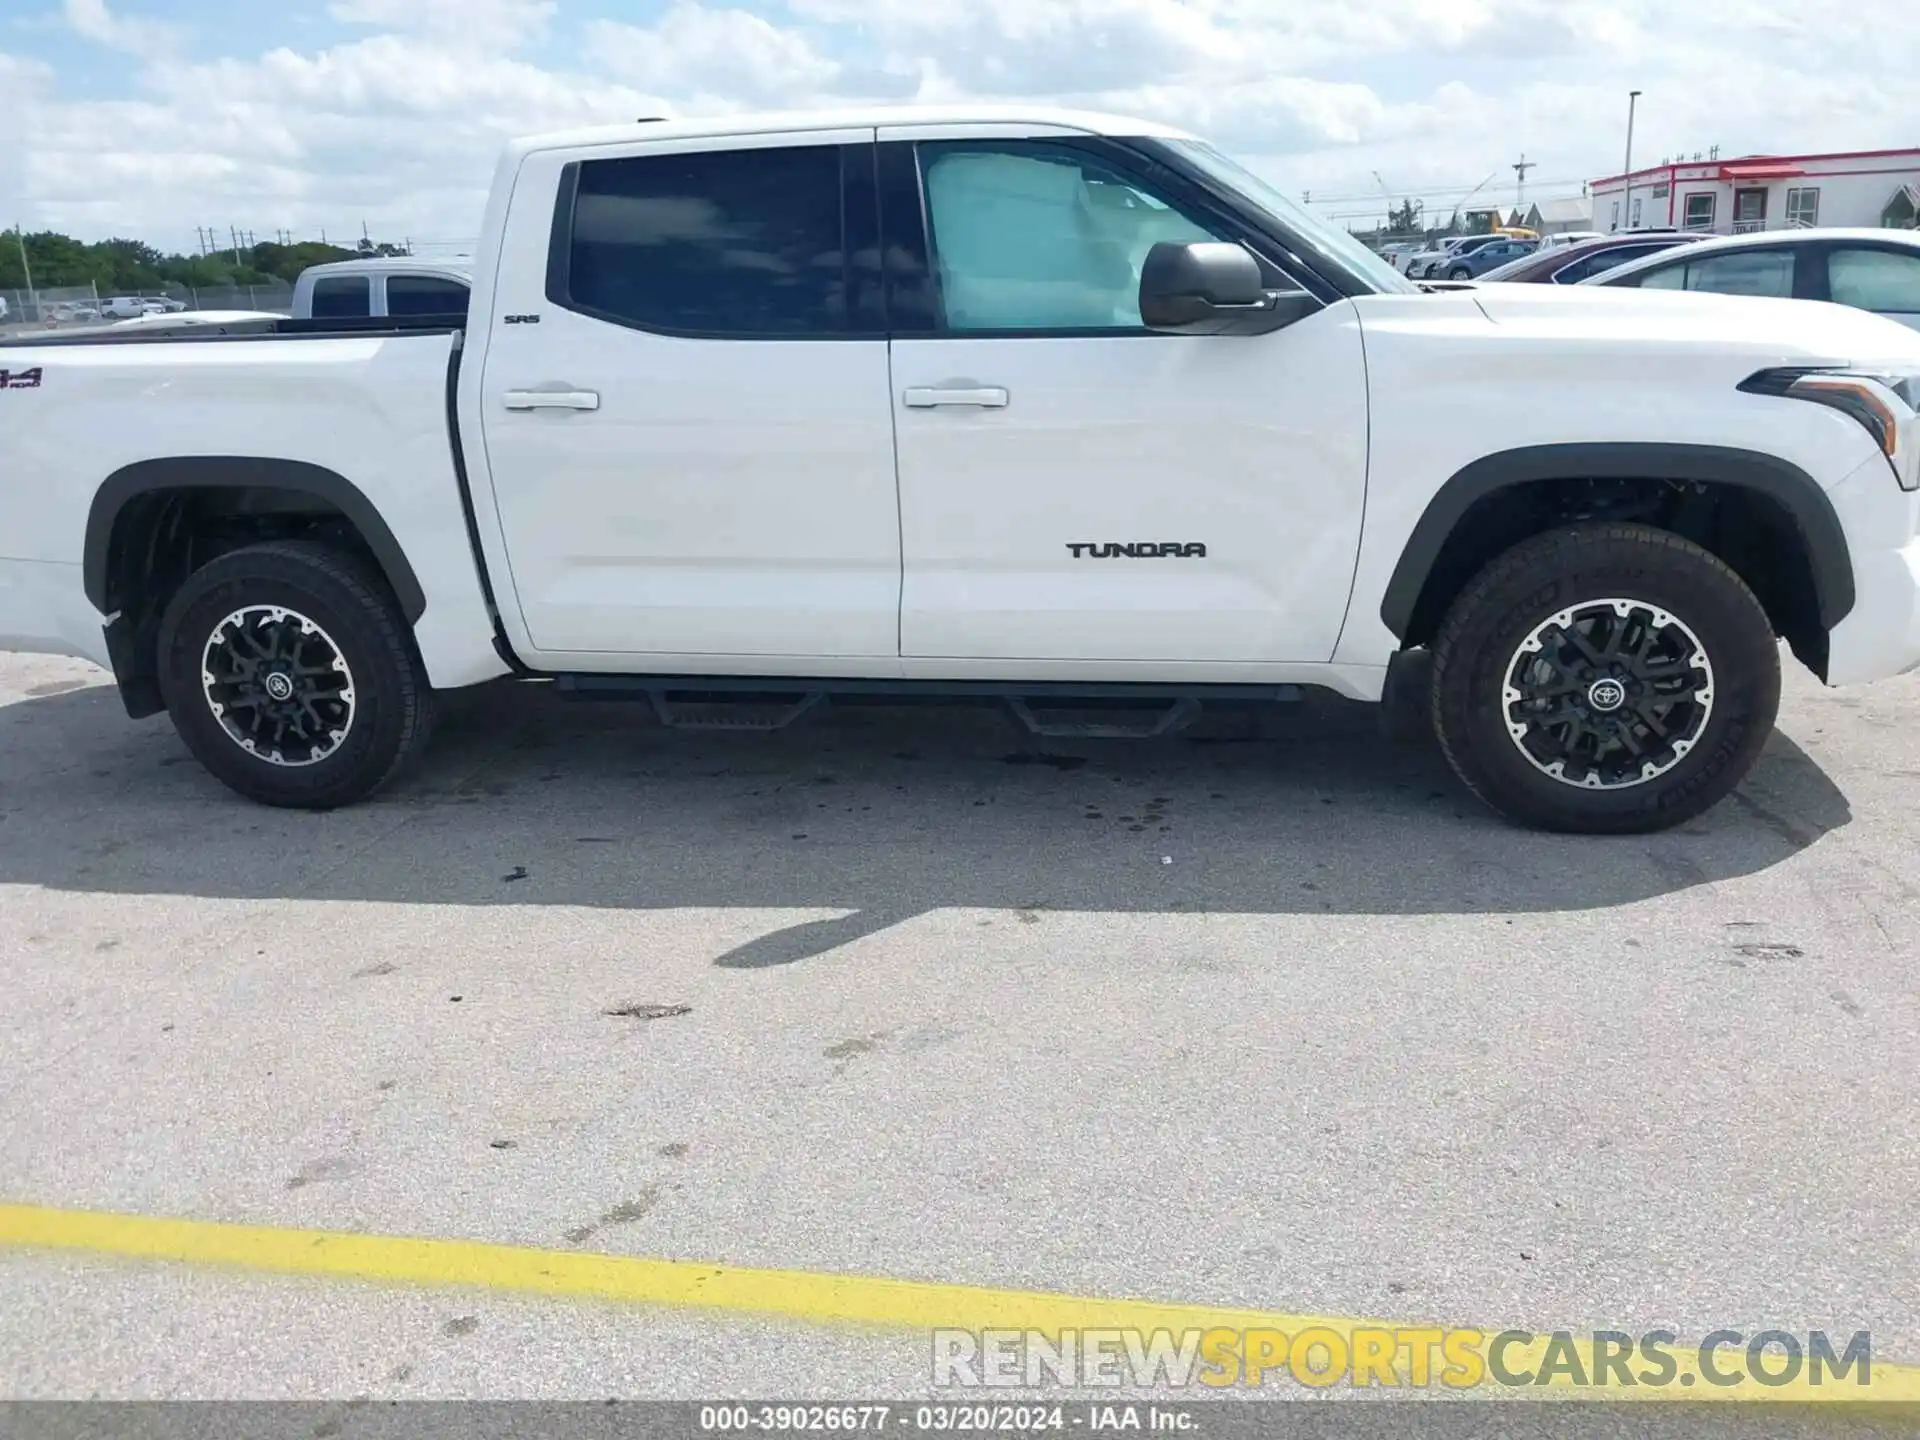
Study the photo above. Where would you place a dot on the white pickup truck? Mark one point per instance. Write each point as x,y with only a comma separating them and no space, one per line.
988,401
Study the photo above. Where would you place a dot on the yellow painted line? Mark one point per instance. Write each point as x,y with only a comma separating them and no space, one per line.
815,1297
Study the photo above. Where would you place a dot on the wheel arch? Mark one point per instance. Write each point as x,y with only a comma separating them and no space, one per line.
291,479
1411,598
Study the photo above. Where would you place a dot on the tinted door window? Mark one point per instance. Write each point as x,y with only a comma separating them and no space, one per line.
1031,237
1735,272
1743,272
1602,261
342,297
726,243
1886,281
425,295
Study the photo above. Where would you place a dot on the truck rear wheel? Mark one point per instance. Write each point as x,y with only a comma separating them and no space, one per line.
289,672
1605,679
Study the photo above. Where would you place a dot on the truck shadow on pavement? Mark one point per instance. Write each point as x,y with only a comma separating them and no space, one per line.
883,813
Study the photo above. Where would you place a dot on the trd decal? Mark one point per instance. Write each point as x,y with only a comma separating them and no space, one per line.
20,379
1142,550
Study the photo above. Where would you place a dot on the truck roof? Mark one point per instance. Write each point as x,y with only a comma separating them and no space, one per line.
458,266
1040,117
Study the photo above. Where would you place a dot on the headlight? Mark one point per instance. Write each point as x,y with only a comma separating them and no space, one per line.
1887,406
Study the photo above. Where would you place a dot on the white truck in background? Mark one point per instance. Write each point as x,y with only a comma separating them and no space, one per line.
973,401
383,285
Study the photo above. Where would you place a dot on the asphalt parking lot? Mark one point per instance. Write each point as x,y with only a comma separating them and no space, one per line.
1259,1016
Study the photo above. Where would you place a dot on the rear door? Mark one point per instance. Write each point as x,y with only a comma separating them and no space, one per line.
1882,278
1072,485
685,402
1782,272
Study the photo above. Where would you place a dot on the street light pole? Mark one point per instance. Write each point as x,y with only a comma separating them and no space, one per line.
20,234
1626,203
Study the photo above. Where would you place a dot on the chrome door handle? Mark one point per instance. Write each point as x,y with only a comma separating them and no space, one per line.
551,399
927,397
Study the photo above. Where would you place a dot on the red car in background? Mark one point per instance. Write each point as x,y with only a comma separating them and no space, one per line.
1570,264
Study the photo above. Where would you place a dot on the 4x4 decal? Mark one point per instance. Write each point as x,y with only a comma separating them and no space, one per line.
20,379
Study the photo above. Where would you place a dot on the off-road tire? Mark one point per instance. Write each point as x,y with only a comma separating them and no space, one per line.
1523,589
354,607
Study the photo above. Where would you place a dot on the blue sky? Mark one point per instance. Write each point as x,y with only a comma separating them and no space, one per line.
152,117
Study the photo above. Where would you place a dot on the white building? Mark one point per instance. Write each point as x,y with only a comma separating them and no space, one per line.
1556,217
1763,192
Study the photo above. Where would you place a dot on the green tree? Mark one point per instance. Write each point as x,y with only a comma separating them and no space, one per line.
121,266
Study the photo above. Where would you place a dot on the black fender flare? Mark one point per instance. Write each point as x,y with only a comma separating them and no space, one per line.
1797,492
251,472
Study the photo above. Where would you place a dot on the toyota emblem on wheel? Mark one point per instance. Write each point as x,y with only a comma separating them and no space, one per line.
1605,696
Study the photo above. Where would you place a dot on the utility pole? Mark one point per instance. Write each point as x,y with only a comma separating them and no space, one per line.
1626,203
1520,189
234,236
26,270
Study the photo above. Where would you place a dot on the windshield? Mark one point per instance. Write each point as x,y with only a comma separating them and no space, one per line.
1330,242
1512,268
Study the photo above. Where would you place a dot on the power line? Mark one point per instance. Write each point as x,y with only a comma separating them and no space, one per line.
1439,190
1520,188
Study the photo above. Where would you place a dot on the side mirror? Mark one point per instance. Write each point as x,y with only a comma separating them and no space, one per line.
1213,289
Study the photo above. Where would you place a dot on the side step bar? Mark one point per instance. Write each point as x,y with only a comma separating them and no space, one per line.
1049,709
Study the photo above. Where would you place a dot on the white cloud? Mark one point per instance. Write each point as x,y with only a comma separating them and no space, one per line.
717,58
399,124
475,24
93,20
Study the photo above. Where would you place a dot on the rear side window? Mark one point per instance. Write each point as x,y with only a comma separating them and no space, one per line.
1743,272
1605,260
425,295
736,243
1885,281
342,297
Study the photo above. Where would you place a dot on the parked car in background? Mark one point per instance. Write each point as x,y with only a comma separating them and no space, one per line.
1477,259
1875,270
1570,264
1567,237
1432,261
129,307
389,285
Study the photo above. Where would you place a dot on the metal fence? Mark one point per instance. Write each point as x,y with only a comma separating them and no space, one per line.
30,307
59,306
277,297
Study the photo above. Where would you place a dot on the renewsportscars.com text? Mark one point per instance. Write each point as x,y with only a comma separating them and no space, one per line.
1321,1357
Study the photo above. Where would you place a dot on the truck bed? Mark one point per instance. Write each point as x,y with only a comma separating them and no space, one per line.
281,327
365,406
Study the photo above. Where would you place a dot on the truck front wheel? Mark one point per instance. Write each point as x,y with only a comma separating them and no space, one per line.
1605,679
289,672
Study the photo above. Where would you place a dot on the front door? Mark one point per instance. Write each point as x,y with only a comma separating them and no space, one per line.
1073,486
1749,211
686,412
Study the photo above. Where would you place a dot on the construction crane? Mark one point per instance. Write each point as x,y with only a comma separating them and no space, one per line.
1461,203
